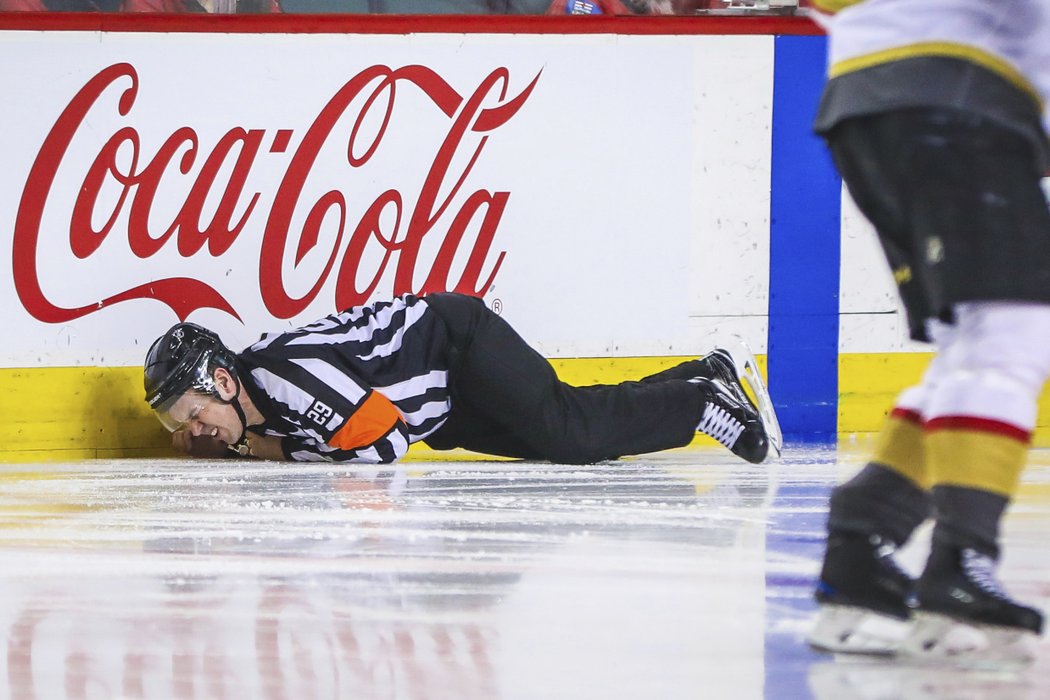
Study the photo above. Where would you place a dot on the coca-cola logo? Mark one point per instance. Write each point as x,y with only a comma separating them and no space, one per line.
223,174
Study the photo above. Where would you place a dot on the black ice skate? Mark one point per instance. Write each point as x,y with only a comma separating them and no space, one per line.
865,598
732,420
734,371
964,615
717,364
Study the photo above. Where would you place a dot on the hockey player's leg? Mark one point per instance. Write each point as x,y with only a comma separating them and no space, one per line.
877,511
864,597
978,431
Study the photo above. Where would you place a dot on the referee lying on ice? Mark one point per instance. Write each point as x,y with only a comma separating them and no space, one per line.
361,385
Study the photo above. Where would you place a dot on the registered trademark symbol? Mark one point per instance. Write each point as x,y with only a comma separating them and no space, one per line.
497,306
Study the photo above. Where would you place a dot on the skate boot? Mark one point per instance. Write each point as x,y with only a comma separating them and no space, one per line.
717,364
732,420
965,616
864,596
735,368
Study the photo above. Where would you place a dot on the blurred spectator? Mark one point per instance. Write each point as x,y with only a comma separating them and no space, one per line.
690,7
224,7
60,5
666,7
610,7
179,6
170,6
419,7
408,7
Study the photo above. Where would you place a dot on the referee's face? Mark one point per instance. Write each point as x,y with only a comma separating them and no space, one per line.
200,414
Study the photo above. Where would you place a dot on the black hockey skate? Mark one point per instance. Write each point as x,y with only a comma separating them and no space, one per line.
965,615
865,598
735,370
729,417
717,364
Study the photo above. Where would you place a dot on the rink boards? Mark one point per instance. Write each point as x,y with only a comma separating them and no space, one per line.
624,192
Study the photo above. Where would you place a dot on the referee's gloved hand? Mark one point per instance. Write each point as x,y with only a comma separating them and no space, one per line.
203,446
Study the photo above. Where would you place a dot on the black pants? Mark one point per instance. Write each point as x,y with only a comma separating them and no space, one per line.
508,401
957,204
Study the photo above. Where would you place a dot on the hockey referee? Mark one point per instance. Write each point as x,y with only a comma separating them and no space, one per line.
361,385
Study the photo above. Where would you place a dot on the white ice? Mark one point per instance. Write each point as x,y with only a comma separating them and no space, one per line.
686,574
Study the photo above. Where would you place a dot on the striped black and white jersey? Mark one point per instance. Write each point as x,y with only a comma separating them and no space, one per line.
356,386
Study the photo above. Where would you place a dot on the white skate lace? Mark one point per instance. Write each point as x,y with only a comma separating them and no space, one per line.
980,568
719,424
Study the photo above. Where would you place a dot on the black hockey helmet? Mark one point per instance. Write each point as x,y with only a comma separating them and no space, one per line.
181,360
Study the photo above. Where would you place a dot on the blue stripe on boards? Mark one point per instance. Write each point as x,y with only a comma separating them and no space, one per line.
803,349
804,255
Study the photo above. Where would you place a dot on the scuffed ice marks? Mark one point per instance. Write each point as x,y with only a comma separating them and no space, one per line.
244,516
647,577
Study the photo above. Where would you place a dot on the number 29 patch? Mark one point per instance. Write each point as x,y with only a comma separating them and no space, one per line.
320,413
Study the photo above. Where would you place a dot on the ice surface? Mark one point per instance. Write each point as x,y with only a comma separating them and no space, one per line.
686,574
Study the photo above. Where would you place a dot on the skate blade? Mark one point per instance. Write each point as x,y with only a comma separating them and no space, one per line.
842,629
746,367
940,639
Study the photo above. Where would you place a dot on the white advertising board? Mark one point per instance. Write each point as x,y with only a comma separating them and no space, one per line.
607,194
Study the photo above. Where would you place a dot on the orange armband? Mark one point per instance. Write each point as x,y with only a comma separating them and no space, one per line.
372,420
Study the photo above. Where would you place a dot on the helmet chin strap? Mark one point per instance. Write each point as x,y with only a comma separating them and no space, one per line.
240,445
